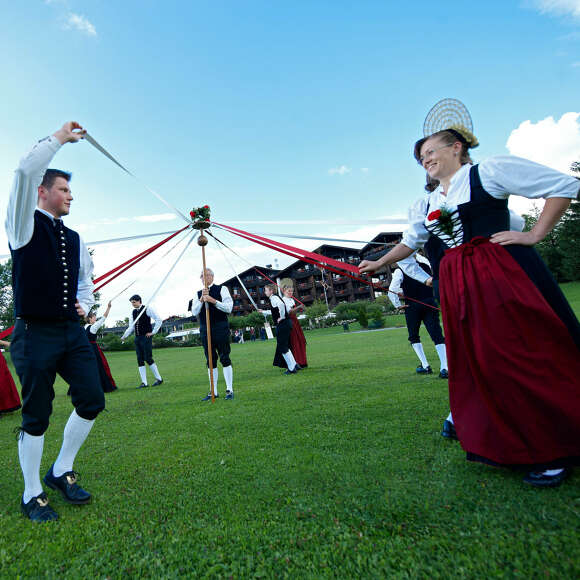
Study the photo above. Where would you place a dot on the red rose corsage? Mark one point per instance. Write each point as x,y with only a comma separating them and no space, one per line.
434,215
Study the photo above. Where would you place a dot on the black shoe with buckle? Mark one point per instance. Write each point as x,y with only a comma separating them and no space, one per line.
37,509
443,374
229,395
68,487
540,479
142,386
157,382
448,430
424,370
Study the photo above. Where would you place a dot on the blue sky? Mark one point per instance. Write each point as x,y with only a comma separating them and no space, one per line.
254,107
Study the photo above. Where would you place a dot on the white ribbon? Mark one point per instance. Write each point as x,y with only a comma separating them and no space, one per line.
101,149
132,325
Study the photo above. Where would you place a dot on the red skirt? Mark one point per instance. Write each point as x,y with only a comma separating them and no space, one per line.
514,370
298,341
9,397
106,378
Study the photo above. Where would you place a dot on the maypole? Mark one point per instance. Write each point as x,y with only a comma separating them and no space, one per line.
200,217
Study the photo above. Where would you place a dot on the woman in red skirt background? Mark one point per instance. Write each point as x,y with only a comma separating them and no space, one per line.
9,397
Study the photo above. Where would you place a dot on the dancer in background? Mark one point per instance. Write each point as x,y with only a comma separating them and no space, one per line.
412,278
297,338
93,326
283,329
9,397
220,303
144,332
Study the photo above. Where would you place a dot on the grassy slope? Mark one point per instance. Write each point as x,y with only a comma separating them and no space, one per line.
339,471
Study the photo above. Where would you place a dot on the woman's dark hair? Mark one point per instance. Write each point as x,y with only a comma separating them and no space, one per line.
448,137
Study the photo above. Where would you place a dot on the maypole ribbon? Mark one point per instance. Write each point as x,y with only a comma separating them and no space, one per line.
135,259
134,322
312,255
102,150
156,263
314,262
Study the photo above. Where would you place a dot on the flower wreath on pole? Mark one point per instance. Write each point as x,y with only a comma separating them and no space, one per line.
200,217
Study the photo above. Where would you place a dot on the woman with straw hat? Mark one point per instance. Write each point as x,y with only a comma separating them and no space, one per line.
512,337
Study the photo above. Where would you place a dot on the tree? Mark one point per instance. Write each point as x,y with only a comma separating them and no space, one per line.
316,311
6,297
124,322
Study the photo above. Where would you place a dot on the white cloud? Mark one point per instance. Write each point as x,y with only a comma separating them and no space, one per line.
558,7
340,170
576,64
550,142
80,23
364,169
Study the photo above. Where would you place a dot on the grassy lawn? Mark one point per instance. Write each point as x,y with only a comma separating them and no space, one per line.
337,472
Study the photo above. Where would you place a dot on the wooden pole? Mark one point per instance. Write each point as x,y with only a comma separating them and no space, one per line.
202,241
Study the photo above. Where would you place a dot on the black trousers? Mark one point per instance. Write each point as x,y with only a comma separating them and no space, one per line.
144,350
39,351
220,343
416,313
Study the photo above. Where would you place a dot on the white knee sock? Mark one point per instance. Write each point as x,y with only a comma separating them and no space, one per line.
289,358
143,374
229,377
440,348
215,381
418,348
450,418
155,371
30,453
75,432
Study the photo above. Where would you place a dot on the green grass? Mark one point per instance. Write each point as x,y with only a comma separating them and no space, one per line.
338,471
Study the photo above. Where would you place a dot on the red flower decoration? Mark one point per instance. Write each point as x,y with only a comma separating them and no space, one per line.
434,215
192,214
206,207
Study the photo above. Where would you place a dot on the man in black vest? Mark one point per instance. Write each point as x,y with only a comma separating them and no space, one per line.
220,305
411,279
51,277
144,332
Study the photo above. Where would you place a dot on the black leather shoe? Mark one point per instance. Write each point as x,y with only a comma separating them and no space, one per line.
142,386
38,510
229,396
208,397
157,382
448,430
68,487
289,372
424,370
443,374
298,367
538,479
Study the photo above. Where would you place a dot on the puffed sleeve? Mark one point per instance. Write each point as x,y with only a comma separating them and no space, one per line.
416,234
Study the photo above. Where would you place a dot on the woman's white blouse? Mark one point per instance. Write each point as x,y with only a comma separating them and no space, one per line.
501,177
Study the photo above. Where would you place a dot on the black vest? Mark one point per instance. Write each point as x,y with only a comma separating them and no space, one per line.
415,289
482,215
276,311
45,272
215,314
143,325
90,335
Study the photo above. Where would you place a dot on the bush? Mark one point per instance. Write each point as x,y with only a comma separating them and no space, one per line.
111,342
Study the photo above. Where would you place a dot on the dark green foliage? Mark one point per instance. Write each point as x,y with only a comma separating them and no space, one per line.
6,299
559,248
